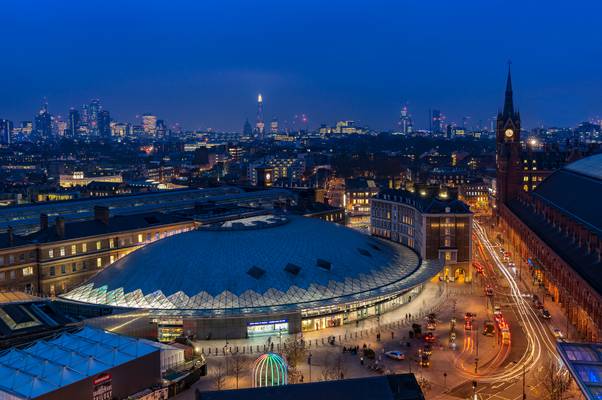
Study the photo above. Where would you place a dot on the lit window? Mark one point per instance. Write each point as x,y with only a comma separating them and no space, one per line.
84,247
99,262
62,251
111,243
27,271
50,253
112,258
98,246
139,238
73,249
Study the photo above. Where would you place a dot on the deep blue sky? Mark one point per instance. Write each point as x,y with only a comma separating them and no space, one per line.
202,62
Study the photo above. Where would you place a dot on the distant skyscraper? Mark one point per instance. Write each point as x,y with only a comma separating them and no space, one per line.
95,109
247,131
104,123
274,126
73,123
44,123
260,125
436,122
405,121
161,128
6,129
149,123
26,127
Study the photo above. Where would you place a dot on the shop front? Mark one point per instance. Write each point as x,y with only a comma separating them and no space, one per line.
267,328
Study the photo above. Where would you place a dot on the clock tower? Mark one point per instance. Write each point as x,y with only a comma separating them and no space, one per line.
508,150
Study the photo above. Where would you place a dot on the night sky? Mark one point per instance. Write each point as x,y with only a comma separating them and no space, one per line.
202,63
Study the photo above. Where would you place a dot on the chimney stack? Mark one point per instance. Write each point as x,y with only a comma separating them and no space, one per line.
11,236
43,221
101,213
60,227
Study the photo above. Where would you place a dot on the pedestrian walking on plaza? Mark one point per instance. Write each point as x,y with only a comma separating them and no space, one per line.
361,360
392,335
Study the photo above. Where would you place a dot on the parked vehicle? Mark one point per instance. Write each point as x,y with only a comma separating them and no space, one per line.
488,328
545,314
430,337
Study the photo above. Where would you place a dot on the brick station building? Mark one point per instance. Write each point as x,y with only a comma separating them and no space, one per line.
556,227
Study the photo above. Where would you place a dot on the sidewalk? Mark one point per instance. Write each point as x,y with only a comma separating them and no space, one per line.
428,301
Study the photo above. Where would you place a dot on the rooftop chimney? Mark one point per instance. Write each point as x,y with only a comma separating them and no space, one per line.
43,221
11,236
60,227
101,213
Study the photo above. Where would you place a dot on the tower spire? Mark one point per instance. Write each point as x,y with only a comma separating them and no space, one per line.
509,101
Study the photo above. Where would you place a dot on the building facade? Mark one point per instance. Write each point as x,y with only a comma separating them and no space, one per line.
554,226
436,225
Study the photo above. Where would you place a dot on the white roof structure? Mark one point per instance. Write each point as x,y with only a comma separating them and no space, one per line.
260,264
48,365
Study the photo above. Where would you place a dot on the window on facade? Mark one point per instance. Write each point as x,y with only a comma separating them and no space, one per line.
73,267
62,251
99,262
51,271
11,259
22,257
2,276
27,271
98,245
73,249
84,247
448,256
1,260
139,238
156,235
111,243
148,237
51,253
63,269
12,274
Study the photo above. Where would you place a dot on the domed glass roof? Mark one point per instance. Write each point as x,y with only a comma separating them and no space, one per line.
267,262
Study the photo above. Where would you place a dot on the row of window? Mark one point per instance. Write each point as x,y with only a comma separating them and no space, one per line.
73,267
98,245
27,271
11,258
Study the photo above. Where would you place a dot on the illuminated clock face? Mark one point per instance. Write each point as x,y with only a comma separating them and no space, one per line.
268,176
509,133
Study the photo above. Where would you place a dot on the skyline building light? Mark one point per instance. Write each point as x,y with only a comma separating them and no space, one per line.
104,123
260,125
274,126
95,108
436,122
6,129
405,121
149,124
73,123
43,122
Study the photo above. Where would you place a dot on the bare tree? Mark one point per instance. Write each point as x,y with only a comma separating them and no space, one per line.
333,367
237,365
219,375
295,353
556,381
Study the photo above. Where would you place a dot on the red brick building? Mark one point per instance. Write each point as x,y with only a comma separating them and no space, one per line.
556,226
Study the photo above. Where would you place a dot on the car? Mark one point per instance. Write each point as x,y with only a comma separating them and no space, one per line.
424,360
488,328
429,337
558,333
545,314
395,355
428,349
431,325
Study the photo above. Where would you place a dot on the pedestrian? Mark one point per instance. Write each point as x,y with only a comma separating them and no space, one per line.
361,360
392,335
301,378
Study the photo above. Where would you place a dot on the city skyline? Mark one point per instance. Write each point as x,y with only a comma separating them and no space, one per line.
162,62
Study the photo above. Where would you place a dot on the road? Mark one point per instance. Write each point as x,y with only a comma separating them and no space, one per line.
540,342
